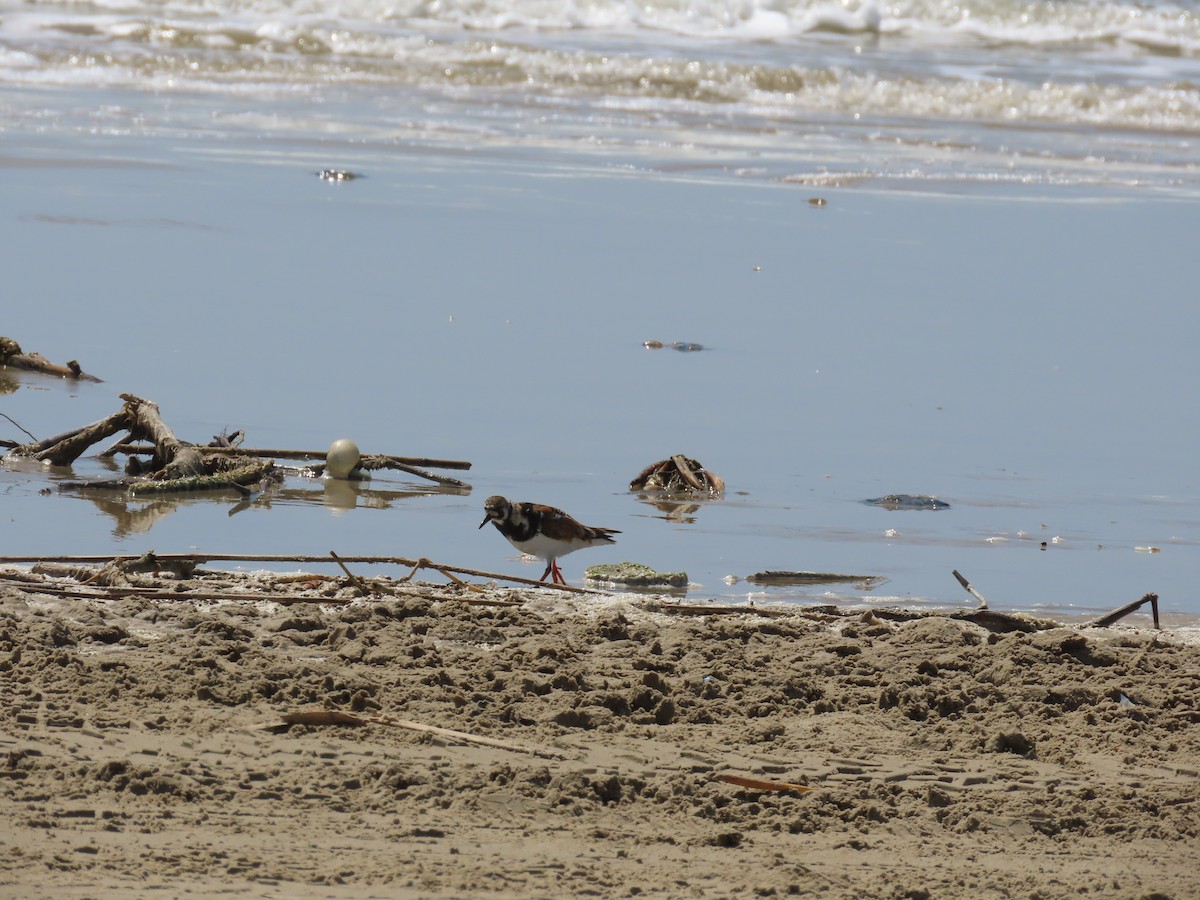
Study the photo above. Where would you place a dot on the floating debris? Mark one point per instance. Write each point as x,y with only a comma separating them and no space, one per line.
908,501
337,176
631,574
12,355
678,474
681,346
863,582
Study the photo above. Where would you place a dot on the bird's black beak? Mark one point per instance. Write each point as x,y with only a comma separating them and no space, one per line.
486,519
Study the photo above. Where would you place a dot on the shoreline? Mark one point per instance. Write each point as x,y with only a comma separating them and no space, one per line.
145,750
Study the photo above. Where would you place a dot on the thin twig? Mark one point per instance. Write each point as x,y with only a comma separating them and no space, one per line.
464,736
354,579
369,463
18,424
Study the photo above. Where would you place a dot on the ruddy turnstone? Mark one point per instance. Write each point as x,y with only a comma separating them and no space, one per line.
543,531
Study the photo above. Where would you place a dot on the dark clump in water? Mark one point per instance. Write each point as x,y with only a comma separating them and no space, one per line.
908,501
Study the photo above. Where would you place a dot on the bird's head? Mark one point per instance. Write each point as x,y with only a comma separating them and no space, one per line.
495,509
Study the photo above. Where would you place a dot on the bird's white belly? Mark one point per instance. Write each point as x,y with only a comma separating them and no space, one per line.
547,548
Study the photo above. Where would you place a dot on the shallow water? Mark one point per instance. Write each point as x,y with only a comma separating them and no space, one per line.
480,309
994,305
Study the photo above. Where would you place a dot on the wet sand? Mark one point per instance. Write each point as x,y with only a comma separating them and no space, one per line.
145,750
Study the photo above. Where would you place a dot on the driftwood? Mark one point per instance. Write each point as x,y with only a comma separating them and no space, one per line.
137,416
176,465
173,458
63,449
12,355
1125,610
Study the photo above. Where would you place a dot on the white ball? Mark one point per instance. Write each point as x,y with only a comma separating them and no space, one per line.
341,459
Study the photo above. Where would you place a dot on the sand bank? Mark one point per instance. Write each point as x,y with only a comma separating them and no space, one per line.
144,751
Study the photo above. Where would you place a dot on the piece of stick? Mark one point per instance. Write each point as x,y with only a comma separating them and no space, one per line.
775,577
759,784
387,462
464,736
1125,610
336,717
132,449
983,604
323,717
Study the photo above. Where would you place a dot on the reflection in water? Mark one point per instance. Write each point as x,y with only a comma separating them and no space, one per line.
677,508
341,494
266,486
133,516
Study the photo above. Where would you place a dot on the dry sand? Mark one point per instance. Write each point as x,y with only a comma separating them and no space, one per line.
144,755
